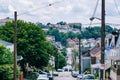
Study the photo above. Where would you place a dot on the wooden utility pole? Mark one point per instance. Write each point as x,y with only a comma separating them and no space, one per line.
79,55
102,40
15,44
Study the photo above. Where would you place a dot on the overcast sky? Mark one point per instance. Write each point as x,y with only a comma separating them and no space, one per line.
62,10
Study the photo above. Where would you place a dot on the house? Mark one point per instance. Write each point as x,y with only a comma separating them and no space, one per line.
70,43
58,45
86,61
115,69
112,55
112,51
10,46
3,21
95,58
7,45
50,38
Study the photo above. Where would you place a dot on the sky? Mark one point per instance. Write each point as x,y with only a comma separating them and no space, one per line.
70,11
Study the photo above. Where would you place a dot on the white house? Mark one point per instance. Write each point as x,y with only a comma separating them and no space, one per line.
8,45
11,47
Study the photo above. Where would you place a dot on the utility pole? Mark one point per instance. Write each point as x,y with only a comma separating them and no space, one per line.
79,55
15,44
102,73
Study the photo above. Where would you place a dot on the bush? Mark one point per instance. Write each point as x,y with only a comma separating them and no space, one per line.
96,76
6,72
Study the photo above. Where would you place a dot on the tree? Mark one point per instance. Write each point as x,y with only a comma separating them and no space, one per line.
31,42
74,57
64,52
6,64
40,25
60,60
77,26
62,23
108,29
6,57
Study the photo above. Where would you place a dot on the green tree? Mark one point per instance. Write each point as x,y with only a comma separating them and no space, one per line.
61,60
40,25
6,57
64,52
77,27
31,42
74,57
62,23
6,64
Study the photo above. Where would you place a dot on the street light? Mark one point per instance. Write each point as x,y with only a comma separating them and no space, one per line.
92,18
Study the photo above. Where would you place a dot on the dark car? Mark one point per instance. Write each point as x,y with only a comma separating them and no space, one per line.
50,76
66,69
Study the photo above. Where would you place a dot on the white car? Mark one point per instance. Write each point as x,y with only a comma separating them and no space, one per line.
80,76
42,77
88,77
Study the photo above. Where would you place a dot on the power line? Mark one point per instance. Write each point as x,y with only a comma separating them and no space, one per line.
117,8
95,8
112,24
48,5
94,12
110,12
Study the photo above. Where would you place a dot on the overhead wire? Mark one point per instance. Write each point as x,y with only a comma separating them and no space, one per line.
109,12
94,12
95,8
48,5
111,24
51,4
117,8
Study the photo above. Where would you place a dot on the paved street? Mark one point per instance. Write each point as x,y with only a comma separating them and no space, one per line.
64,76
69,55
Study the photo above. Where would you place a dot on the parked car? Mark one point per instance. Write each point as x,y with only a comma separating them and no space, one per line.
67,68
80,76
88,77
55,73
42,72
42,77
71,70
74,73
50,76
59,70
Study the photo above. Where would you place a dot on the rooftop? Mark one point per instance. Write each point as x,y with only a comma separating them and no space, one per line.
5,43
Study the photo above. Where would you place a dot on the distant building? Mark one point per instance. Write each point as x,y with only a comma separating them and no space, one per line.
8,45
50,38
58,45
72,24
3,21
71,43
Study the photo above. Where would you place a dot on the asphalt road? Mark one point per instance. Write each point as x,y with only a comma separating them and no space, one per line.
64,76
